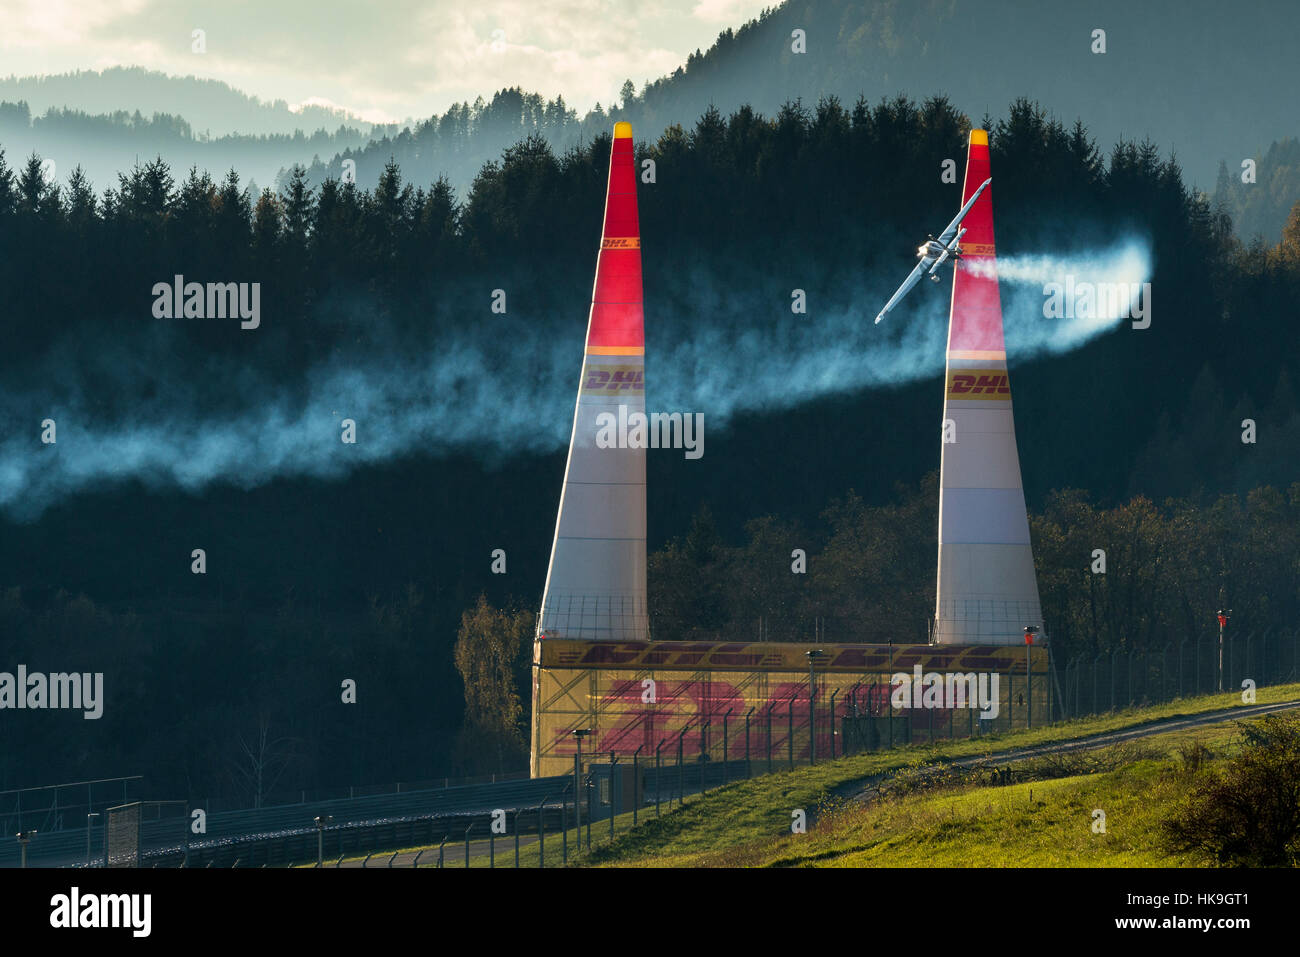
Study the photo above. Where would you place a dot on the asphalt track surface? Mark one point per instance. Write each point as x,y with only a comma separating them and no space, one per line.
867,789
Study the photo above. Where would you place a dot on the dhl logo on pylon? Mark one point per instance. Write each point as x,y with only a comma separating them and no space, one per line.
978,384
611,379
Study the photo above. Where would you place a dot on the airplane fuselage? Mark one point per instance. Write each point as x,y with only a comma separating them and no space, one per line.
933,253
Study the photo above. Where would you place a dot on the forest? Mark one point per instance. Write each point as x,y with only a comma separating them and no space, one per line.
1130,443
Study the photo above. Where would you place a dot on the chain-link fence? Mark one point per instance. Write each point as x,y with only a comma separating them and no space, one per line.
1128,677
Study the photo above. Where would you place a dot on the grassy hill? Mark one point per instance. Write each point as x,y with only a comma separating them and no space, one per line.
1044,820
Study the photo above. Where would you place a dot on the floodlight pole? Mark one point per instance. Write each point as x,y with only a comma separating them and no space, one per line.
321,821
89,826
812,704
24,838
578,735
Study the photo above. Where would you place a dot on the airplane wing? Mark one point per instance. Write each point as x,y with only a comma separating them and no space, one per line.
946,236
908,283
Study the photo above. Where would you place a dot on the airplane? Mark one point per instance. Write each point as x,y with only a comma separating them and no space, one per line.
933,252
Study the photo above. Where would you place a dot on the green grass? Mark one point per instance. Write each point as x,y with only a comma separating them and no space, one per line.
1041,823
746,822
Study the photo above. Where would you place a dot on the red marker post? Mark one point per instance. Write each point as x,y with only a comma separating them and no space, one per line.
1223,624
1030,631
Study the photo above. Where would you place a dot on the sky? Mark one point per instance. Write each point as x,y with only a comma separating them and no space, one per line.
385,60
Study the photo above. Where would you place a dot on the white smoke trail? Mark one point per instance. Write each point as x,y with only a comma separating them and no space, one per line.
1047,293
470,393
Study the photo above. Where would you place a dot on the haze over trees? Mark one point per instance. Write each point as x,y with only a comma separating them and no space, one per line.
981,55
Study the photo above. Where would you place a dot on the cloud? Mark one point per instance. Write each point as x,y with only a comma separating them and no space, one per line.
42,24
734,12
398,58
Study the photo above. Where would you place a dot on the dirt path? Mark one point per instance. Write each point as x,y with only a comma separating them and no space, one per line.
867,789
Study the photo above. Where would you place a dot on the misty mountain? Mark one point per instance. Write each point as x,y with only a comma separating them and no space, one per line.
1171,70
1166,75
210,107
1261,207
104,144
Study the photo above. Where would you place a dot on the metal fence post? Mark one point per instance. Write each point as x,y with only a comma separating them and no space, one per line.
852,713
518,811
890,698
564,823
1164,673
725,728
1246,668
833,695
636,782
1131,653
789,722
1029,687
1077,711
467,830
812,721
659,777
1113,655
681,782
613,762
541,832
748,769
1049,679
577,783
1066,690
704,753
769,736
